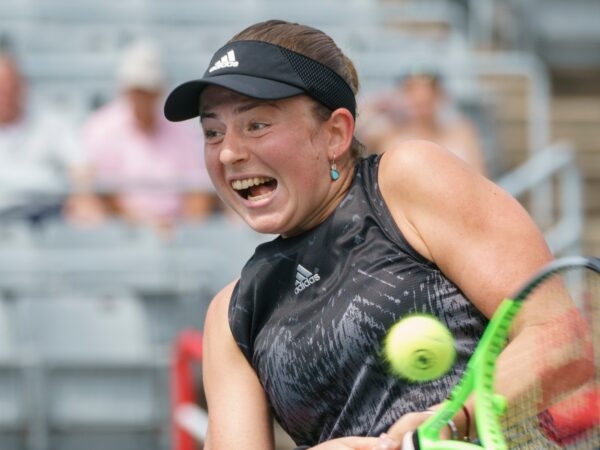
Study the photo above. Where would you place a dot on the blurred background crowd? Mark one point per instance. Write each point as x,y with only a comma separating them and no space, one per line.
112,240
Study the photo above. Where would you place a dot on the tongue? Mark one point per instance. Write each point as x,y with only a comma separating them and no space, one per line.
261,189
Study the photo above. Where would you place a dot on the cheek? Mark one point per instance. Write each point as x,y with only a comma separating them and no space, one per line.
305,171
297,154
214,168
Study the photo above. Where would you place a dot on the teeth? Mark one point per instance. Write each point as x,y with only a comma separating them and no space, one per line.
240,185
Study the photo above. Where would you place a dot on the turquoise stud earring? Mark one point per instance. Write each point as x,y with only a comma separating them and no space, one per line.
334,172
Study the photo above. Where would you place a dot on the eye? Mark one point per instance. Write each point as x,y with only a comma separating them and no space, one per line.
257,126
212,135
212,129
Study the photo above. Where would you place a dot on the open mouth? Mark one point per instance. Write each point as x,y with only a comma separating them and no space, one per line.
255,188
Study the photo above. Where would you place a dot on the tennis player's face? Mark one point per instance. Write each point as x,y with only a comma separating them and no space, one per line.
267,159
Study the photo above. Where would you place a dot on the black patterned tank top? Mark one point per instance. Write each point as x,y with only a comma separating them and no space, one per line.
310,313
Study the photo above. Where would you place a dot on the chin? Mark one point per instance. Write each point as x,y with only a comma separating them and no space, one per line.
264,225
264,229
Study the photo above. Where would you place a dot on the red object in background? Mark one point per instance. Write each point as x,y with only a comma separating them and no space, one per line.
187,352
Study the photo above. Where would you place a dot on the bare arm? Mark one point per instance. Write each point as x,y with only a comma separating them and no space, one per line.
478,235
237,406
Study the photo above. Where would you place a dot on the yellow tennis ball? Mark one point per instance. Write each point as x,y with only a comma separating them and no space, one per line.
419,348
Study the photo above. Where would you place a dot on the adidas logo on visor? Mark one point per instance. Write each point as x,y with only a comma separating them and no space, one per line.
227,60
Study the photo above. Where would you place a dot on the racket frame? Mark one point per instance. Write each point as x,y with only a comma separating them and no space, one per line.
479,374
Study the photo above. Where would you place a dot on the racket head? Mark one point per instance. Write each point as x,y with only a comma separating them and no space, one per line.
561,409
558,358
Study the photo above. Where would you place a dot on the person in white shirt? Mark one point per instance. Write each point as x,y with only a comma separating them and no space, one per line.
37,149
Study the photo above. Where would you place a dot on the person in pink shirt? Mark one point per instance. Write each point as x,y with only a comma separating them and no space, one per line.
139,166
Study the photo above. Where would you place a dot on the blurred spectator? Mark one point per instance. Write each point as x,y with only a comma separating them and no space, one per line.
420,108
37,148
140,167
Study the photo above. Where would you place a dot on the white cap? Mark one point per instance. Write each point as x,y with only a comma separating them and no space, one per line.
141,67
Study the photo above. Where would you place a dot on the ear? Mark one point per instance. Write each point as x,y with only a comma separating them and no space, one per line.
340,126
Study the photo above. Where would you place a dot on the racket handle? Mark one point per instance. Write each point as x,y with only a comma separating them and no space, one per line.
410,441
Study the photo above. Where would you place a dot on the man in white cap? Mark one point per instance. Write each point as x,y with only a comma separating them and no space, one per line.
141,167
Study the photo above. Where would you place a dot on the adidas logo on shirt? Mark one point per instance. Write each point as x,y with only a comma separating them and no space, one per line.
227,60
304,278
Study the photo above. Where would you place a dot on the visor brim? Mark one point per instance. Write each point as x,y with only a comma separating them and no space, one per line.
183,102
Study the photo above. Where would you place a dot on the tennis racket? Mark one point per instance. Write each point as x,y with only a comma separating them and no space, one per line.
561,411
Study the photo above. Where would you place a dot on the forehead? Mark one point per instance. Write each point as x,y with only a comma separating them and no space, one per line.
213,96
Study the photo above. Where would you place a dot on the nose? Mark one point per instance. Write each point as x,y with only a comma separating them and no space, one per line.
233,149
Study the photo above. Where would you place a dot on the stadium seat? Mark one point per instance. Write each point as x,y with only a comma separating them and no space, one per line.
221,243
18,257
61,234
103,258
201,259
101,380
13,390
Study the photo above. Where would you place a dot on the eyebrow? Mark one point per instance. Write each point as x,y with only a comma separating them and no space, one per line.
247,106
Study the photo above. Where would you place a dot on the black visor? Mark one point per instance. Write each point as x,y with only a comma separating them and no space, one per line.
265,71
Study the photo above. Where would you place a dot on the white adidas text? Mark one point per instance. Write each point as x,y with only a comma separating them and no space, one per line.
304,279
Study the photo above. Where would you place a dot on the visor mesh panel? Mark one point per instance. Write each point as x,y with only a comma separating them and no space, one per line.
322,83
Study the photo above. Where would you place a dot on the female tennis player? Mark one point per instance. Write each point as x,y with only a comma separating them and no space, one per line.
362,241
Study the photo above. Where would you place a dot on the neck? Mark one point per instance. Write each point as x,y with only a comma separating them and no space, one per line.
146,124
338,190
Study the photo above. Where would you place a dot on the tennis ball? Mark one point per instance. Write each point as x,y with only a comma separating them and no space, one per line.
419,348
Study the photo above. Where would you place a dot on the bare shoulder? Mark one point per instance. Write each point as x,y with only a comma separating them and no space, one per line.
218,308
416,159
217,332
220,348
414,171
454,216
406,173
417,171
